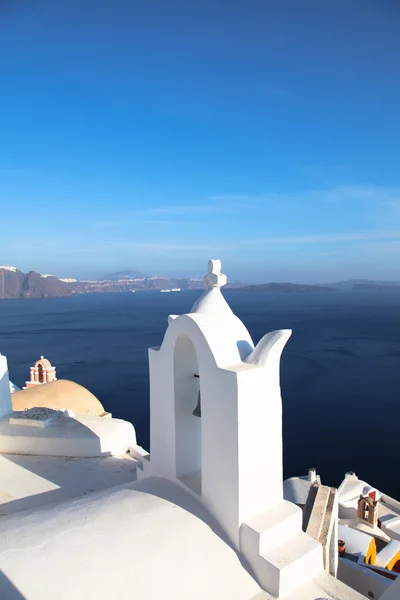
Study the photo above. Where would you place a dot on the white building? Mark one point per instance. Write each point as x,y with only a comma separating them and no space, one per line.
202,517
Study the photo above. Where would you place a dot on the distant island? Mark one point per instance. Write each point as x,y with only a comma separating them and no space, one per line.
378,285
16,284
286,287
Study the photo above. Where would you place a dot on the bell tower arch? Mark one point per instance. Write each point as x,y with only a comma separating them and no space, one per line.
41,372
187,414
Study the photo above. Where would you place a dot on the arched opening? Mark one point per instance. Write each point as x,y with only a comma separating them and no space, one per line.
366,511
396,567
370,557
187,426
40,373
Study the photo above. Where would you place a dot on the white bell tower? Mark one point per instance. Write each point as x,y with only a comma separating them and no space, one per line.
5,393
230,457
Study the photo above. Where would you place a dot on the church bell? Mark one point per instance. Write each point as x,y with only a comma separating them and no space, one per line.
197,410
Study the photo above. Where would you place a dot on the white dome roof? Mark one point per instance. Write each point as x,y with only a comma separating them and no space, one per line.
215,313
149,537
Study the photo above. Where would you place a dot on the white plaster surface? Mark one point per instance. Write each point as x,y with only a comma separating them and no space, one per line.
393,591
357,542
363,580
29,482
239,434
296,489
389,515
145,540
5,394
364,527
77,436
349,493
392,528
387,553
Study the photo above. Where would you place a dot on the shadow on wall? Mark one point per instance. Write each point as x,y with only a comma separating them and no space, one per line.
172,493
8,591
74,477
5,394
244,348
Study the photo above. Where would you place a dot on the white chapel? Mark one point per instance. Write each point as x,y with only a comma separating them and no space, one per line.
87,513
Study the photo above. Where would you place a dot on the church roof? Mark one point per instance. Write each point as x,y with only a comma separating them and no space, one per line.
59,394
148,539
352,488
29,482
388,553
296,489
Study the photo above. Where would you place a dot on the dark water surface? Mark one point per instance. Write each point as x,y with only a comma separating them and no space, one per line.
340,369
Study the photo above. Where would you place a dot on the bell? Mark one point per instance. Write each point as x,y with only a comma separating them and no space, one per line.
197,410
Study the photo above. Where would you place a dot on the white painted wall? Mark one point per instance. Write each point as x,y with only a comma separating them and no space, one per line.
146,540
393,591
333,537
75,437
363,580
241,422
5,394
237,442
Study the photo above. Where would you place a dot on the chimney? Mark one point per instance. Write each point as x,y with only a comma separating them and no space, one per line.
312,474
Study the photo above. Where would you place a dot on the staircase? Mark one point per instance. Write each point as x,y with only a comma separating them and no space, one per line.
281,556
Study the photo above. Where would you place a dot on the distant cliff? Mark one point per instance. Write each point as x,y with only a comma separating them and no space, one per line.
285,287
381,287
15,284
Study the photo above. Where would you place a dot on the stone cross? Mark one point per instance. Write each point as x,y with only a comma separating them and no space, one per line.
214,277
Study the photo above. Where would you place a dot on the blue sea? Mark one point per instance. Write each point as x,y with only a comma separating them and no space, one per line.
340,371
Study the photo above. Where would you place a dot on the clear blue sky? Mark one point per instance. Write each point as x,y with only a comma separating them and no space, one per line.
155,135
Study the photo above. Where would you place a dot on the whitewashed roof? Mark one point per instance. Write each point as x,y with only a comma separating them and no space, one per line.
296,489
357,542
145,540
352,488
387,553
31,482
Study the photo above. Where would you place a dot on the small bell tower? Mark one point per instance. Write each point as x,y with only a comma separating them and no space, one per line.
216,431
41,372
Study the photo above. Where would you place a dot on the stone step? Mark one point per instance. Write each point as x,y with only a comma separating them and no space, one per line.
291,565
272,527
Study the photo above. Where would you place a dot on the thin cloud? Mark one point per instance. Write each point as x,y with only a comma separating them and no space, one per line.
179,209
327,238
210,206
164,246
354,236
236,204
341,193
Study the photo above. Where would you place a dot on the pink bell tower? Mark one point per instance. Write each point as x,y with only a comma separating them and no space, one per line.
41,372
